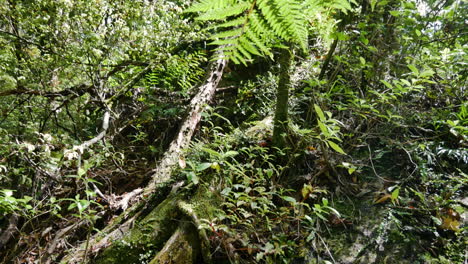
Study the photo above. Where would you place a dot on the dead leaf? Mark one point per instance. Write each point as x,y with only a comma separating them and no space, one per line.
450,219
383,199
182,163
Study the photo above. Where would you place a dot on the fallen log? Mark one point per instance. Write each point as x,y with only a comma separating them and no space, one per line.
162,172
182,140
151,232
170,233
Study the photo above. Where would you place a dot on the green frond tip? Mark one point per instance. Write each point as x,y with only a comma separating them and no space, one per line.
223,13
207,5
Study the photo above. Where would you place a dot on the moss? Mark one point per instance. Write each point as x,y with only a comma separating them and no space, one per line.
182,248
148,234
154,230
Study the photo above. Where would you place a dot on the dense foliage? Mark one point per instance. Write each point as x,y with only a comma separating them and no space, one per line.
370,97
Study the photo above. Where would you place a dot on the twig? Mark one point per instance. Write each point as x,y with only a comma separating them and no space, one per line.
373,168
326,248
87,144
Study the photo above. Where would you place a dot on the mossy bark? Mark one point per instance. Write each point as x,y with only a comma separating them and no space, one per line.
282,97
148,234
183,247
169,231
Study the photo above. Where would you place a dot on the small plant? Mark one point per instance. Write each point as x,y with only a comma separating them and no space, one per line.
260,221
10,205
329,129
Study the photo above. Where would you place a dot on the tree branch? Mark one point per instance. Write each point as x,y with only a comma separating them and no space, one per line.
75,90
105,126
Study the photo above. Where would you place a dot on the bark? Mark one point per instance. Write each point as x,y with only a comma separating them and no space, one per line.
328,59
171,229
282,97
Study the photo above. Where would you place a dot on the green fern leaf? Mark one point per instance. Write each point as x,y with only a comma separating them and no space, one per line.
207,5
223,13
232,23
227,34
247,28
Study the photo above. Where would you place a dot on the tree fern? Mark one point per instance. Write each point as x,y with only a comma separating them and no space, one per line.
178,72
243,28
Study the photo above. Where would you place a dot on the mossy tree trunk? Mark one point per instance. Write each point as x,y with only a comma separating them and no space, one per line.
168,234
282,98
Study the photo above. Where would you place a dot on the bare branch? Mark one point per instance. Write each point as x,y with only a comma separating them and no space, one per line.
105,126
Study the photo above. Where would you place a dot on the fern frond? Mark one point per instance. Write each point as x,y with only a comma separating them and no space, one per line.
342,5
228,34
231,23
208,5
247,28
287,19
222,13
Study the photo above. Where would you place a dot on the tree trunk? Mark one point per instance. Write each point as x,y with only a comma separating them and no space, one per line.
282,98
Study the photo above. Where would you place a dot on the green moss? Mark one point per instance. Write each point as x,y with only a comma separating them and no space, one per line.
182,248
148,234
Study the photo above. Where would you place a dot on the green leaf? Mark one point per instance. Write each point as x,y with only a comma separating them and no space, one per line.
364,40
7,192
389,86
396,13
192,177
325,201
333,210
395,194
228,34
372,4
211,152
413,69
203,166
436,220
81,172
222,13
71,206
324,129
215,166
319,112
405,82
232,23
311,236
363,61
230,153
335,146
427,73
341,36
289,199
